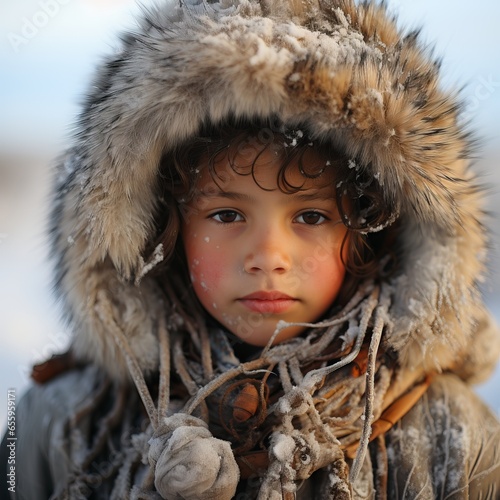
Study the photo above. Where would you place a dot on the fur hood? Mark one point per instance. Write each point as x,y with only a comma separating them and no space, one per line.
345,72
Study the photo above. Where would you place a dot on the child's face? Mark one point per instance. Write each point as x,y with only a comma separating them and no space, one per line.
257,256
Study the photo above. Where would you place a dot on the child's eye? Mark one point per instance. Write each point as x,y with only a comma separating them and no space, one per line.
311,218
227,216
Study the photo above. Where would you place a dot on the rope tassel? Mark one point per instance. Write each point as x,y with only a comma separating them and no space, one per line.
321,415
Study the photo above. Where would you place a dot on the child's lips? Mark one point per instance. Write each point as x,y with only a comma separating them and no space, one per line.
264,302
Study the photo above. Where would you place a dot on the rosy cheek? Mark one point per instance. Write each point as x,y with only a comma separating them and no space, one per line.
206,269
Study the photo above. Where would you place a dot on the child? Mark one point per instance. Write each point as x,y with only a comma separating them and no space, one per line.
268,241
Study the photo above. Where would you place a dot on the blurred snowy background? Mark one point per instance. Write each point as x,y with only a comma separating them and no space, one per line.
48,49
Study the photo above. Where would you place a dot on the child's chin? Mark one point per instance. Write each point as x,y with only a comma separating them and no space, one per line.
262,338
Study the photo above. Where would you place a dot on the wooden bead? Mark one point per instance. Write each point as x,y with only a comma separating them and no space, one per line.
246,403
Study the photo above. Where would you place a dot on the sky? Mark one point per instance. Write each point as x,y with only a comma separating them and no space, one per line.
48,49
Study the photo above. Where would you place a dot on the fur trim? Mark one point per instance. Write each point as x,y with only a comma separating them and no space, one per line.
345,72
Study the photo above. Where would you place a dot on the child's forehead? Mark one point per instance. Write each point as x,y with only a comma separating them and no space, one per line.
270,167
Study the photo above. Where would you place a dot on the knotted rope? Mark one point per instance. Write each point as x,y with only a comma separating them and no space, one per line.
319,414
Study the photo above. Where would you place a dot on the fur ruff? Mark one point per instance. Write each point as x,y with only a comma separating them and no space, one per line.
347,74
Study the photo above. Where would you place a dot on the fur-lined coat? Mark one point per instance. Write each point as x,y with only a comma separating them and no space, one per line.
372,403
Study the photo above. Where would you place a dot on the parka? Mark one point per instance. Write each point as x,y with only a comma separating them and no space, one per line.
375,400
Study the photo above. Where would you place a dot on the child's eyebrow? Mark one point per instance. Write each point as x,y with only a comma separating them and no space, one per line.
319,194
232,195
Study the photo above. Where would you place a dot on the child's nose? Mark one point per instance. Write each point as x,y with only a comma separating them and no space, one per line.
268,253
